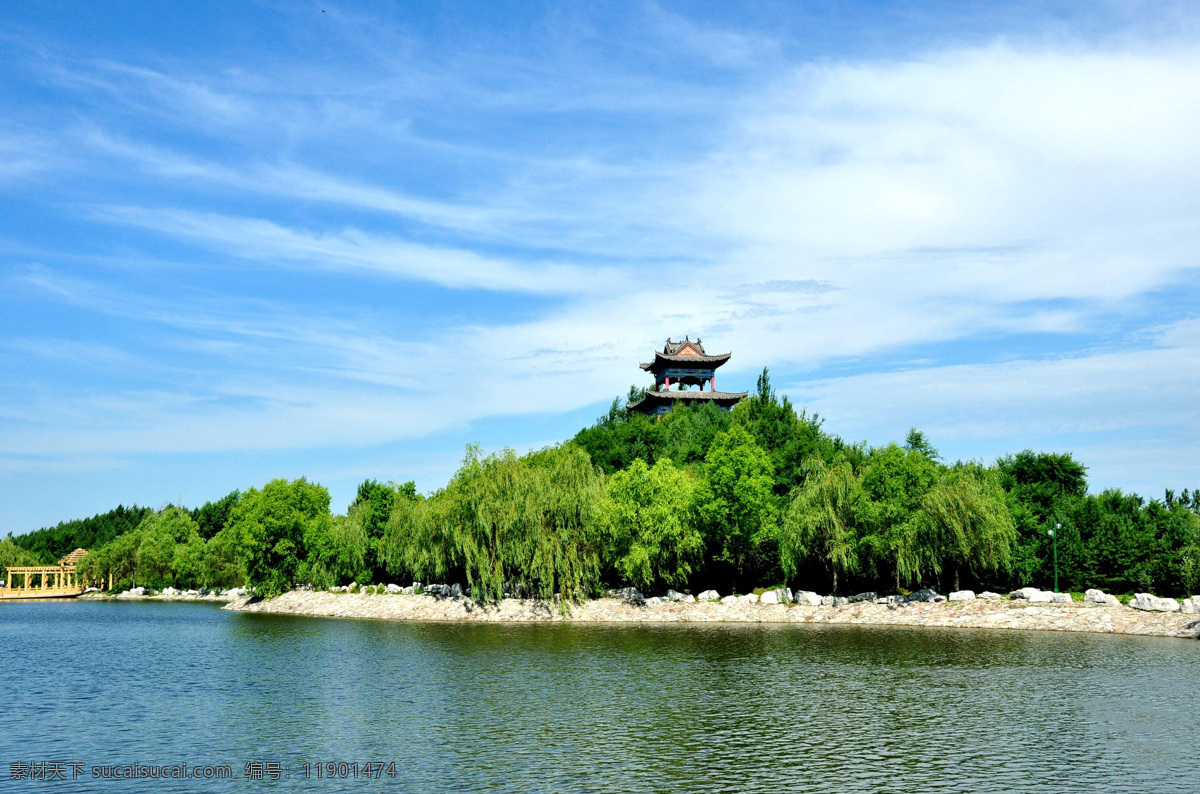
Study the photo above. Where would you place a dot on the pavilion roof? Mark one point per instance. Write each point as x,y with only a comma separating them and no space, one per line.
662,361
74,557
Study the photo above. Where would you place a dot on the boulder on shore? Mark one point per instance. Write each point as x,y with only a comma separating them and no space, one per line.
749,598
1152,603
783,595
674,596
393,589
868,596
1040,597
709,595
924,594
729,599
1024,592
455,590
988,595
834,601
1061,598
655,601
630,594
962,595
1190,605
808,598
1100,598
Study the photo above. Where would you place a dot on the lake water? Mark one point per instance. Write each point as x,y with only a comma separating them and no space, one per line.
588,707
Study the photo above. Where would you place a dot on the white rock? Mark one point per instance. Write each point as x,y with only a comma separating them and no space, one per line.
729,599
1061,598
709,595
1100,598
674,596
688,598
1151,603
408,590
962,595
655,601
783,595
169,591
988,595
1190,605
808,598
1024,592
834,601
393,589
749,598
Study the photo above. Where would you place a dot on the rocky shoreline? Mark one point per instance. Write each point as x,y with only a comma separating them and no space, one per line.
166,594
998,613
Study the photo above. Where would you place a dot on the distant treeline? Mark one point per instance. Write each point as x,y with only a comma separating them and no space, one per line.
754,497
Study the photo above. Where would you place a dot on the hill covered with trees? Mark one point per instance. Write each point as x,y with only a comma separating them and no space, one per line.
758,496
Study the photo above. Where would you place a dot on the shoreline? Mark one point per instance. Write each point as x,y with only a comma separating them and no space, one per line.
997,615
207,598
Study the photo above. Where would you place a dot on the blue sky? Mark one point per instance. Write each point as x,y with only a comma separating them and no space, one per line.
251,240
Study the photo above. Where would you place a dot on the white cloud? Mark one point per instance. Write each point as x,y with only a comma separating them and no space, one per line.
845,211
349,248
1131,415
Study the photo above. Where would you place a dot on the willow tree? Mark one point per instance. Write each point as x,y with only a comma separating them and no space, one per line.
531,522
965,522
825,520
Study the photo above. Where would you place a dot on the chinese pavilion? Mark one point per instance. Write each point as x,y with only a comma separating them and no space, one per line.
684,364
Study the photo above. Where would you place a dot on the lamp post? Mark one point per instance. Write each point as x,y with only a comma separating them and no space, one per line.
1054,534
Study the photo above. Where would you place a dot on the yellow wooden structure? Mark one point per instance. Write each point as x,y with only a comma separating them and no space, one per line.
45,581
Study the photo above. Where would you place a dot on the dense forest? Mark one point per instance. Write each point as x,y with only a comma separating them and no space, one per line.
734,500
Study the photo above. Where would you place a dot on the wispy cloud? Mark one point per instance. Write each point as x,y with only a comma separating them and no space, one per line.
562,198
271,243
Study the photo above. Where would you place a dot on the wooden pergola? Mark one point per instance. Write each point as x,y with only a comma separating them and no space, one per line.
45,581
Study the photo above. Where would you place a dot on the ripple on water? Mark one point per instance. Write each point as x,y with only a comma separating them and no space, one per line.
603,708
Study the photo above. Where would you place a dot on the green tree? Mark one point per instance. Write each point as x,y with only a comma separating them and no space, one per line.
789,438
222,565
654,532
214,516
896,480
1043,489
825,520
619,438
12,555
966,522
51,544
734,499
531,524
271,526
